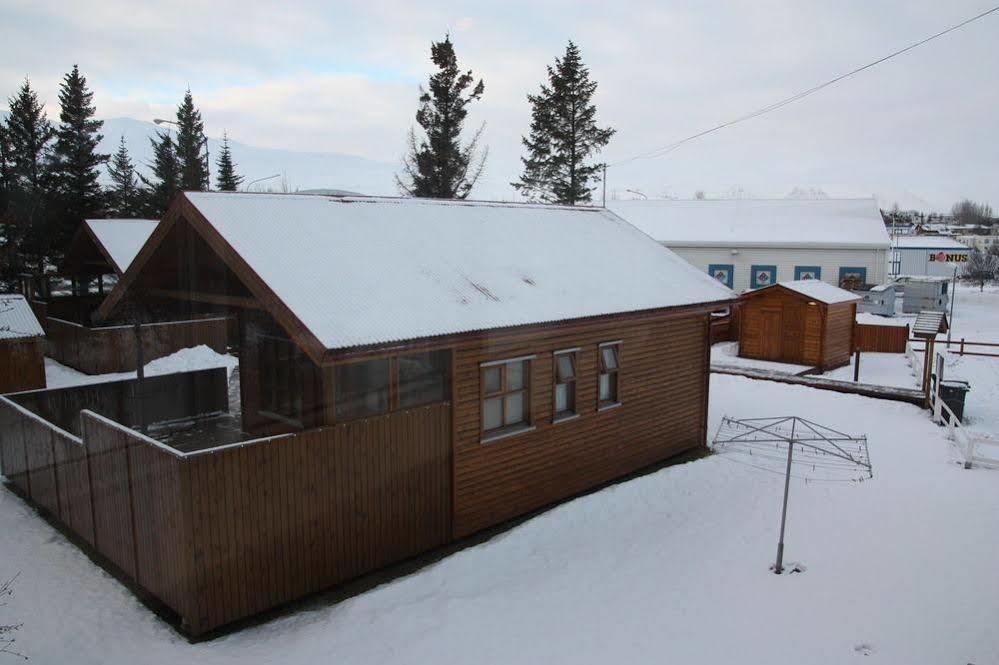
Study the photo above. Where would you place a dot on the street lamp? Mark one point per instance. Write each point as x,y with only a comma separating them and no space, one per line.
204,143
246,187
635,191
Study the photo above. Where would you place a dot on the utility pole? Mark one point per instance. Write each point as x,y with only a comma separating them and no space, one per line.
779,565
604,204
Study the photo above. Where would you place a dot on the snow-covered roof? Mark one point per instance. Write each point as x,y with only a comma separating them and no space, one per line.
122,238
360,271
822,223
866,318
16,318
816,289
928,242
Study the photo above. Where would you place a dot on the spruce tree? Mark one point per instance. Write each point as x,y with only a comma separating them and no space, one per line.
28,136
166,176
190,148
438,165
227,180
563,136
124,195
75,161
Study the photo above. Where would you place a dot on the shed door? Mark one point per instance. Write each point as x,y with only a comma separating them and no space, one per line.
770,333
793,348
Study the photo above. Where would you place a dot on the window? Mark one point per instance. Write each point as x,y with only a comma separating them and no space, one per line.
760,276
506,395
362,389
851,278
722,272
280,378
808,272
610,363
565,383
424,378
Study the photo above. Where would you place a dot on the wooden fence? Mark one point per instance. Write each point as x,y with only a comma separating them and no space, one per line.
112,349
220,534
880,339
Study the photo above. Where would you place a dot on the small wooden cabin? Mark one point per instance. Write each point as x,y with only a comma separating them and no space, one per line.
496,357
22,346
804,322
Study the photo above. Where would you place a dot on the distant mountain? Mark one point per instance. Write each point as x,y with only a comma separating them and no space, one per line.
298,170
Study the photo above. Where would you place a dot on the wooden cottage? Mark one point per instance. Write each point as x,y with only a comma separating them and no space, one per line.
22,346
427,369
804,322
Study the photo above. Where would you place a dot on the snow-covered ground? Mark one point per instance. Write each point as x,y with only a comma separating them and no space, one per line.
668,568
726,354
880,369
58,375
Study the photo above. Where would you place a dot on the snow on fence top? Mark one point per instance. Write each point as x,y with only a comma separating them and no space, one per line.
122,238
17,320
359,270
821,223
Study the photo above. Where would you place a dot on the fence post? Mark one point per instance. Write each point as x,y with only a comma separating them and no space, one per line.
856,365
961,352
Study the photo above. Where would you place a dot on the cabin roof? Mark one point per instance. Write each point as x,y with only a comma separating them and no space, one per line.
818,223
359,271
813,289
17,320
121,239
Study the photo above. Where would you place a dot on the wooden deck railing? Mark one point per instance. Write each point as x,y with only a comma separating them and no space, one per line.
223,533
111,349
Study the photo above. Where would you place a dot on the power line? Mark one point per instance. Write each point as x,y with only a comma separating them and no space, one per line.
659,152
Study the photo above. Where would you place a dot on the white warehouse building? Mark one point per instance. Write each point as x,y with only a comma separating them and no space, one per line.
752,243
934,256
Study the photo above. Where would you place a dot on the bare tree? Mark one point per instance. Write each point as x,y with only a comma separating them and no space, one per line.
981,268
7,630
969,212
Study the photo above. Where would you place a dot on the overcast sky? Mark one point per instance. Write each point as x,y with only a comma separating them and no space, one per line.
343,77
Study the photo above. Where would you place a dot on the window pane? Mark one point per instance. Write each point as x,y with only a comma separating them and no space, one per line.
491,379
362,388
565,398
608,356
515,375
564,365
492,413
514,409
423,378
608,387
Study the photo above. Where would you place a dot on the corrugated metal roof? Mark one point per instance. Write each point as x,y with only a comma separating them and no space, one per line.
821,223
122,238
16,318
359,271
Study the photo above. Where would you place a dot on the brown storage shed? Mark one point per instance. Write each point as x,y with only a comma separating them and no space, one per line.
22,346
804,322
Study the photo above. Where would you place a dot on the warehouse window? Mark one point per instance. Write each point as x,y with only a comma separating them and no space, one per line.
565,384
760,276
506,397
362,389
852,278
808,272
723,272
607,381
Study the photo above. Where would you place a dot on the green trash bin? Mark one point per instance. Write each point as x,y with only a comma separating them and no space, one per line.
953,392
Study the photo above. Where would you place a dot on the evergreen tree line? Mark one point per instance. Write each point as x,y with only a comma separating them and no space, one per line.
564,134
50,174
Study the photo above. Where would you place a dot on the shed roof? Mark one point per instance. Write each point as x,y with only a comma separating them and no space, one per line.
17,320
813,289
928,324
121,239
360,271
928,242
819,223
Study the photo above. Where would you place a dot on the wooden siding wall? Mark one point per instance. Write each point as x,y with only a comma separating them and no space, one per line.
166,397
880,339
760,340
112,349
837,347
663,395
23,363
223,534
